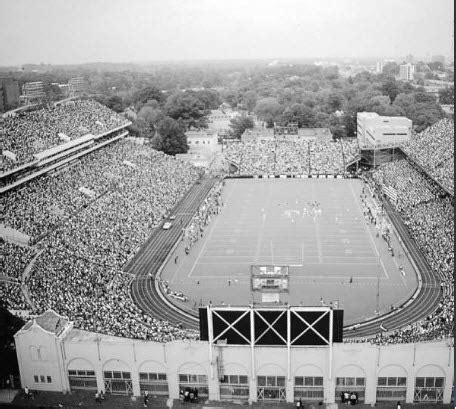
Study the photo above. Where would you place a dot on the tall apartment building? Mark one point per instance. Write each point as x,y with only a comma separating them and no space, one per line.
10,93
33,92
406,72
1,100
377,132
379,67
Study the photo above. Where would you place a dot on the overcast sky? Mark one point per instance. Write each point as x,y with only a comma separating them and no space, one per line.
76,31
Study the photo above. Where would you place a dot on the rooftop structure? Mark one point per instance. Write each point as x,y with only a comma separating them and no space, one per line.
378,132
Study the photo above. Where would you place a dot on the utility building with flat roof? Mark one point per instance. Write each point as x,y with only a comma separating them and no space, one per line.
382,132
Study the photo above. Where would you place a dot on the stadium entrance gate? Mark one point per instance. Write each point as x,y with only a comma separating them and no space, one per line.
271,388
118,383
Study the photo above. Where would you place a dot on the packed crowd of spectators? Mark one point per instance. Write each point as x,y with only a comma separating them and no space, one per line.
294,156
412,186
11,293
133,187
14,258
31,132
91,217
433,150
429,217
96,298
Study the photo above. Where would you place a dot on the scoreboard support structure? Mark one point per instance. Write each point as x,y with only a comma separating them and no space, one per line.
264,326
269,323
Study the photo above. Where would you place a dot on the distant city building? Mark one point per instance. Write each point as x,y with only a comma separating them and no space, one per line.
406,72
10,93
379,67
378,132
2,108
77,86
32,92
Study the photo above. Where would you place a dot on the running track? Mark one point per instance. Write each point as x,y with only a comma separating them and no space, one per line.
153,254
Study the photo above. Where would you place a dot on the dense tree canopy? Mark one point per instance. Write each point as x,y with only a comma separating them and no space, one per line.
188,108
307,94
170,137
239,124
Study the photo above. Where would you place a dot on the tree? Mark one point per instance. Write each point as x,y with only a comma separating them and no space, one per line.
391,69
239,124
170,137
115,103
301,114
147,120
335,102
188,108
436,66
210,98
146,94
249,100
446,95
269,110
422,114
391,89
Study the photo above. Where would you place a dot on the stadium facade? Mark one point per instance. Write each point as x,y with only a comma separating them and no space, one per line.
54,356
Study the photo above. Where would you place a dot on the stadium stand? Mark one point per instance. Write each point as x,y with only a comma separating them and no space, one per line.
429,217
30,133
296,156
433,150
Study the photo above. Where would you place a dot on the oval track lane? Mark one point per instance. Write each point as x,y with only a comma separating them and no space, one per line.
154,253
426,300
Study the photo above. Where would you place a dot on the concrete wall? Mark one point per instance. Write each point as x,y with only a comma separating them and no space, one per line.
84,350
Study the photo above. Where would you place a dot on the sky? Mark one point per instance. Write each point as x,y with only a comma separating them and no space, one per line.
79,31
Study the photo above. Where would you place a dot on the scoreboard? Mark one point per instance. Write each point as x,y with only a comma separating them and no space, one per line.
271,326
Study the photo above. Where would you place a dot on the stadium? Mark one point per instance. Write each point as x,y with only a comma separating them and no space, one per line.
283,272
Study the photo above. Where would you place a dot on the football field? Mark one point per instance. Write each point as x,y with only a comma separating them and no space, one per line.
314,226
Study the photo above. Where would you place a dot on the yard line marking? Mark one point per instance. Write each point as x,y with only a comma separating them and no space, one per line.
261,231
317,230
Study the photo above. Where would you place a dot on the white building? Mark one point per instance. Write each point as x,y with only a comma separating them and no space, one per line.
203,147
378,132
406,72
53,356
379,67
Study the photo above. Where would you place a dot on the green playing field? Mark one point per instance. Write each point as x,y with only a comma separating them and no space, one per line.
332,252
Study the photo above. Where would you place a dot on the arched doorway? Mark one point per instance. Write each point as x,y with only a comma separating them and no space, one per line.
429,384
391,384
350,379
81,375
271,383
117,378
